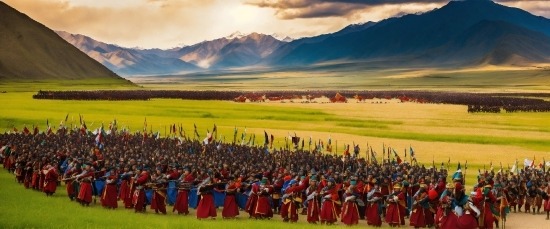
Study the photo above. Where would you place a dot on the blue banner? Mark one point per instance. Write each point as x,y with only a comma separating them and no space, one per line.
97,188
241,200
193,198
219,198
172,193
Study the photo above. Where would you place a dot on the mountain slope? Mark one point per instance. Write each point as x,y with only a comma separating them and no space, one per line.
413,36
127,61
31,51
233,51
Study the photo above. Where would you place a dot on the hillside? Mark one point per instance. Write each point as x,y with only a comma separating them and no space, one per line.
31,51
431,39
127,61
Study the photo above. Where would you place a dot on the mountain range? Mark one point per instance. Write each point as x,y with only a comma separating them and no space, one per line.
31,51
460,34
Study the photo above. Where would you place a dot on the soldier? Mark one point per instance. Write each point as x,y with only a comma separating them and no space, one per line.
313,209
206,207
50,180
374,200
350,213
109,195
230,208
330,207
182,199
395,212
85,187
138,198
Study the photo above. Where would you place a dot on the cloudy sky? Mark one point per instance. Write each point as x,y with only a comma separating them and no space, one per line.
172,23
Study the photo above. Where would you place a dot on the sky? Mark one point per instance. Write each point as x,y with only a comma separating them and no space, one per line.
174,23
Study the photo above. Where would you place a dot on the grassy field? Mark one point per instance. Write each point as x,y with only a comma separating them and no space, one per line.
436,132
21,208
359,76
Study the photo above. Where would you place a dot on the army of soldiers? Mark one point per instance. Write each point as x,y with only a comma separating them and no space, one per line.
258,181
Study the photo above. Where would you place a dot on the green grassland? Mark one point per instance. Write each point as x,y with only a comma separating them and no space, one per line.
437,132
21,208
360,77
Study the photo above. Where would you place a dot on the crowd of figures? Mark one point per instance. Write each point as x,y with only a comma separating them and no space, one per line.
476,102
262,182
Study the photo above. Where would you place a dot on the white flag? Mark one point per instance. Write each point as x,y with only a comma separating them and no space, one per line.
527,162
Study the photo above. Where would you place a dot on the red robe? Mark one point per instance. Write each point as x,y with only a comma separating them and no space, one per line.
395,211
85,193
158,202
466,221
124,193
418,215
372,214
263,207
330,208
138,198
313,208
252,200
486,219
182,200
109,195
206,207
230,208
289,209
350,213
50,183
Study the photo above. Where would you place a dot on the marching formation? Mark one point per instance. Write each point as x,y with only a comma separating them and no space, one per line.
176,174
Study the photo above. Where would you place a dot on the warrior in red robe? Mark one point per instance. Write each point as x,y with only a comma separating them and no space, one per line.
263,208
395,212
276,196
485,199
109,195
252,201
182,200
313,208
330,207
85,191
292,200
50,180
138,198
350,212
230,208
420,207
206,207
374,200
125,193
547,201
159,185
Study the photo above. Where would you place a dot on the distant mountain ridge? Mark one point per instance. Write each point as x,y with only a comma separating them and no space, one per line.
459,34
236,50
31,51
425,39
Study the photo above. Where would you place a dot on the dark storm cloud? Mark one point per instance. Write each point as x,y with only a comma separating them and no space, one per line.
291,9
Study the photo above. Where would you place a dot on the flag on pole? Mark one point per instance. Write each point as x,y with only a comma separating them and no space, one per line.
397,158
329,144
235,135
266,142
528,163
196,131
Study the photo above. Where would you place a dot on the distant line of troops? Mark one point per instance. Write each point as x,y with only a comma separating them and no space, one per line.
378,192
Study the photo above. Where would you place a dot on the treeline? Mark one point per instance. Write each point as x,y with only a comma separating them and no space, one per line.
476,102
